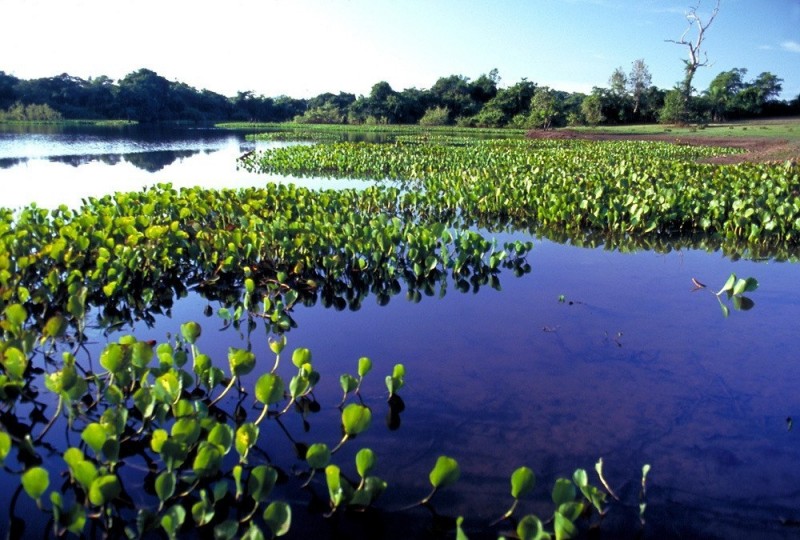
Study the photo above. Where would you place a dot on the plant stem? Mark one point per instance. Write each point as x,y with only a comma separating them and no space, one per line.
225,391
262,415
52,420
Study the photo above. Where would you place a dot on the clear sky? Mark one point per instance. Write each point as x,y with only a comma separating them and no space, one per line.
302,48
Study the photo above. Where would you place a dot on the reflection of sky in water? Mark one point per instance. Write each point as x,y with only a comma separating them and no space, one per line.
67,178
637,370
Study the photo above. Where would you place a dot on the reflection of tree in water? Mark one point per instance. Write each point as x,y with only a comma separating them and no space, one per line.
7,163
149,161
155,161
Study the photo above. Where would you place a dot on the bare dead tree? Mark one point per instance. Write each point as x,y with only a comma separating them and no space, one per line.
697,57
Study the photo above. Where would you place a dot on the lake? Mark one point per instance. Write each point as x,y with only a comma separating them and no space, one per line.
594,353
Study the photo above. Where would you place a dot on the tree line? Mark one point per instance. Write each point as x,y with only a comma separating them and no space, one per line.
146,97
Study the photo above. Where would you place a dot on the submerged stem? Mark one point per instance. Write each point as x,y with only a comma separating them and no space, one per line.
507,515
344,439
52,420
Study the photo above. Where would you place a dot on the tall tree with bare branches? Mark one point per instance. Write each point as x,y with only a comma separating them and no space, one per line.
697,56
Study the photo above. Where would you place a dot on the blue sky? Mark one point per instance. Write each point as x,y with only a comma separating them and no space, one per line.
302,48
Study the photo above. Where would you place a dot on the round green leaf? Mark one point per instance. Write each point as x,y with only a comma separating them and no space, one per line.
278,517
365,462
355,419
207,461
104,489
241,361
530,528
522,482
5,445
301,356
95,436
563,491
261,481
318,456
190,331
35,482
364,366
269,389
445,473
165,485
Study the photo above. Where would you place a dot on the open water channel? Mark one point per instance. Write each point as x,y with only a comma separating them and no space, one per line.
595,353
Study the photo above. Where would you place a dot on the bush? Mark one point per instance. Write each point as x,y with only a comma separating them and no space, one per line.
435,116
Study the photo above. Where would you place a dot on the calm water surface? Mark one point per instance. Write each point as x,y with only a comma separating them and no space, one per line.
632,367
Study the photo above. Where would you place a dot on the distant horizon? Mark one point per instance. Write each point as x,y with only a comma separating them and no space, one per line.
309,47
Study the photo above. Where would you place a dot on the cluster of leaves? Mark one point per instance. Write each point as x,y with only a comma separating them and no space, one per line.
628,187
155,406
132,254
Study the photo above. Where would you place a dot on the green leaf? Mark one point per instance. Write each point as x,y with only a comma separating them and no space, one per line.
365,462
167,387
55,327
318,456
563,491
190,331
580,478
16,315
571,510
85,473
241,361
269,389
207,461
222,436
277,345
563,527
301,356
95,436
35,482
460,535
530,528
104,489
364,366
226,530
165,485
261,481
5,445
172,520
522,482
445,473
356,419
246,437
728,284
348,383
278,517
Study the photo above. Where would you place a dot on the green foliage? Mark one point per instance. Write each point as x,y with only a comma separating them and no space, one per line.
435,116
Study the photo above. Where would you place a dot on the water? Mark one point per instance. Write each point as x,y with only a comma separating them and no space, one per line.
632,366
65,165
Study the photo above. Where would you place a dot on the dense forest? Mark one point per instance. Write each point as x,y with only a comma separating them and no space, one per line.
144,96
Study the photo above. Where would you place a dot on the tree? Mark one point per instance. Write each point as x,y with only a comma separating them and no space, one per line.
639,80
435,116
675,109
697,57
722,92
592,107
544,107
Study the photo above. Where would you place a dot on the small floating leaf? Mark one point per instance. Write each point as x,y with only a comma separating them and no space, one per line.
104,489
530,528
278,517
269,389
190,331
563,491
165,485
241,361
522,482
364,366
318,456
35,482
261,481
301,356
355,419
365,462
445,473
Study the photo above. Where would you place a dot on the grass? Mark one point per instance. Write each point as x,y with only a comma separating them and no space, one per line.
781,128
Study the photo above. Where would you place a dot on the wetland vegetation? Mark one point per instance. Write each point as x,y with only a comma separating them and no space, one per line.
165,436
